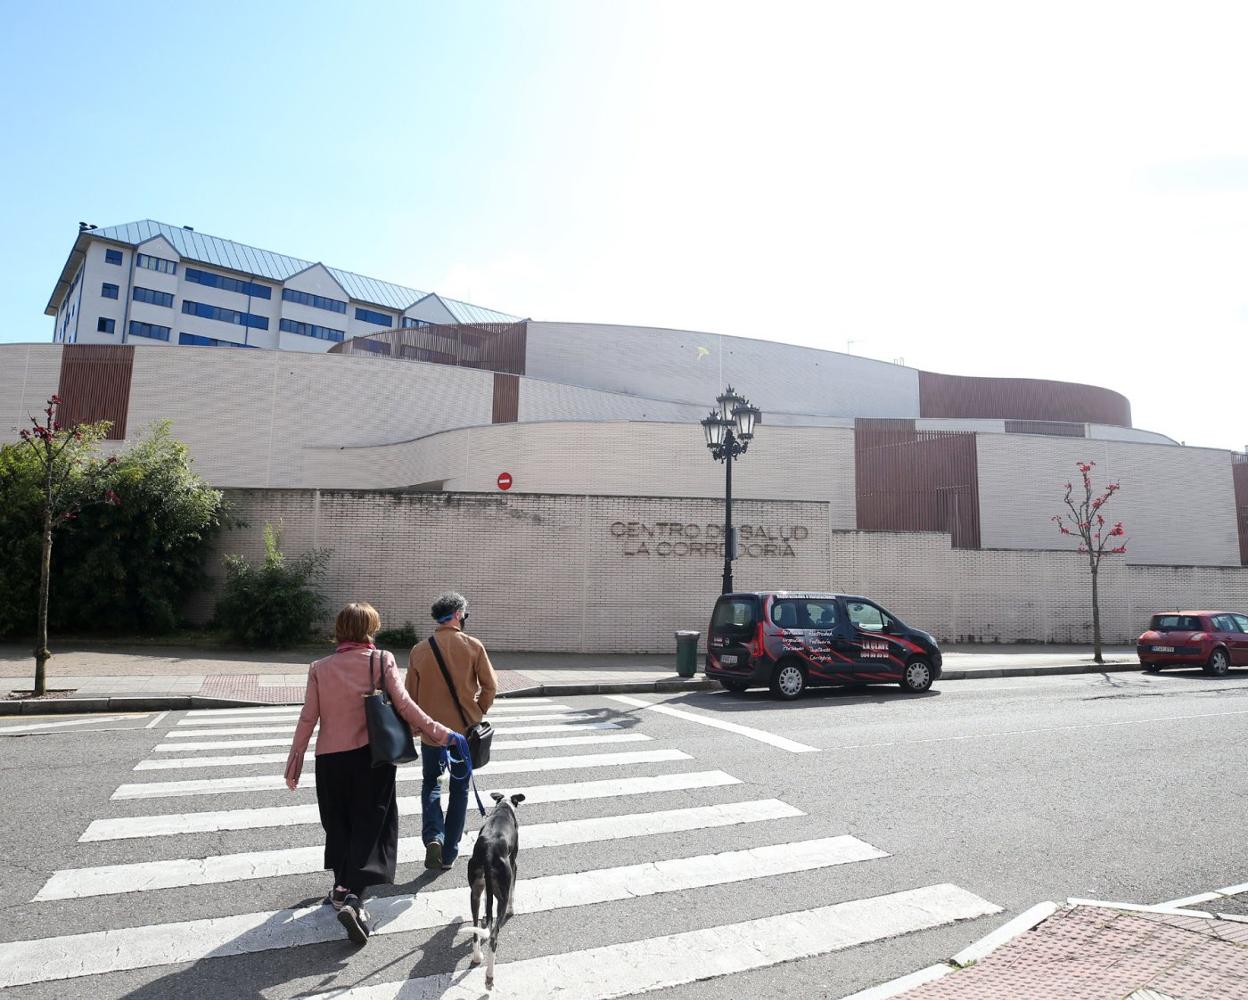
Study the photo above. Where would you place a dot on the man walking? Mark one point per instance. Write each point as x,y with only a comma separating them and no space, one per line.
471,690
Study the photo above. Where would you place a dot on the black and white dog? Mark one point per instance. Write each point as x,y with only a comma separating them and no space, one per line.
492,870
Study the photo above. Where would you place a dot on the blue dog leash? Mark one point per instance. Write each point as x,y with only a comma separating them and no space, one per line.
460,742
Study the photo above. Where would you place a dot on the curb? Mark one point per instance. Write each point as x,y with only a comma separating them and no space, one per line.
161,703
969,955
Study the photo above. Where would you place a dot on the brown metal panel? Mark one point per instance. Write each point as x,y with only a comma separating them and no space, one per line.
908,480
506,398
496,347
1239,473
969,397
95,385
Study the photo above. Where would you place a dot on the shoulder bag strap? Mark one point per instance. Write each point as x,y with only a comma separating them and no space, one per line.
447,677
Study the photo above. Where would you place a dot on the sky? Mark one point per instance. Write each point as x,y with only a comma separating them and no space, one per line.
1050,190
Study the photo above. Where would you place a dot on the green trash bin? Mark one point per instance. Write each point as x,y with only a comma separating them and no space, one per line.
687,652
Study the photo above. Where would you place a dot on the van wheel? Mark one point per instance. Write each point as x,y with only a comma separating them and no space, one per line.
917,676
1218,663
734,686
789,681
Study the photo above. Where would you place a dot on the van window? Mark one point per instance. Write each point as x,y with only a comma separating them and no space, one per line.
1176,623
868,617
804,613
734,615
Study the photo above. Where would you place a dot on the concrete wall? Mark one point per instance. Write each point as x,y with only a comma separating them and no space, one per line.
569,573
690,367
1177,504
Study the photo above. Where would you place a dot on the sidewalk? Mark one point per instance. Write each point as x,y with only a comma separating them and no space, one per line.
1092,950
84,678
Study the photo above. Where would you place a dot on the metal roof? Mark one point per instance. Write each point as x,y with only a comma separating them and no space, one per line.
278,267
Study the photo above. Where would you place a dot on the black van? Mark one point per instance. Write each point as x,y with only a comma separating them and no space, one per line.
791,641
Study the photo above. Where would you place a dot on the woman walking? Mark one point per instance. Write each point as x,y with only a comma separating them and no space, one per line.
356,800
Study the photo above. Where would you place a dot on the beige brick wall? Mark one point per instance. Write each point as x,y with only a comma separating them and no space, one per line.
565,572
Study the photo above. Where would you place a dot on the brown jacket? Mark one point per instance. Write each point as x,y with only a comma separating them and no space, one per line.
469,666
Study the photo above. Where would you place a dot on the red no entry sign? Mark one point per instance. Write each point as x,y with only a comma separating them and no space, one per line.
504,480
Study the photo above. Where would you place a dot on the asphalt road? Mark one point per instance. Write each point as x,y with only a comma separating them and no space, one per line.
1123,787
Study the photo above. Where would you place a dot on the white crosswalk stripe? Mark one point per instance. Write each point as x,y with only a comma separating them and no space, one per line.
656,793
144,876
289,729
651,964
267,782
173,824
99,952
247,760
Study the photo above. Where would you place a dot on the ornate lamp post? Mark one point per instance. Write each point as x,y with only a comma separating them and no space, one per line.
729,431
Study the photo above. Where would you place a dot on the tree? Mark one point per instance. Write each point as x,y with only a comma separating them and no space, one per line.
69,480
1085,521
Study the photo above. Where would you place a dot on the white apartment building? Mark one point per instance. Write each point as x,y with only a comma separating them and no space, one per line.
152,283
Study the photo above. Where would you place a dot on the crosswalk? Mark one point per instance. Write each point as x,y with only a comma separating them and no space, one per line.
604,794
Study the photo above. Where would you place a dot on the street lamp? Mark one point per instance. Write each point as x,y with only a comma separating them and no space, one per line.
729,431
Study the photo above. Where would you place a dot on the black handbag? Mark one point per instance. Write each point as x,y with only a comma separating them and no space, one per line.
479,736
389,738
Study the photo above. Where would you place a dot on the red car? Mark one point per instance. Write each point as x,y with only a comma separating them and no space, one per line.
1212,640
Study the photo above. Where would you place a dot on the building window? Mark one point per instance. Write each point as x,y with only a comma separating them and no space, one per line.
105,325
368,316
149,330
194,340
316,301
411,324
228,284
311,330
153,297
225,315
112,256
108,291
156,263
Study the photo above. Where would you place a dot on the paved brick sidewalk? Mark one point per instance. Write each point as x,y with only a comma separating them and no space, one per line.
1094,952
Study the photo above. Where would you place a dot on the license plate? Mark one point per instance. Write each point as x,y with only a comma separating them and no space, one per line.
728,660
1163,649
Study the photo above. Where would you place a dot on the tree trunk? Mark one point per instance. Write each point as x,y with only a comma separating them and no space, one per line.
1096,621
45,579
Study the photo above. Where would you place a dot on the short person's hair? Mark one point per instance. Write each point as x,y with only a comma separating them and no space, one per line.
357,622
447,604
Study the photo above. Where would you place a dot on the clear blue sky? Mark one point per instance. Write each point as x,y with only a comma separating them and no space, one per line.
973,187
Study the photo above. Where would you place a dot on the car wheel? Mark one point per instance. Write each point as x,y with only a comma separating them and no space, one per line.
788,681
1152,668
1218,663
917,677
735,686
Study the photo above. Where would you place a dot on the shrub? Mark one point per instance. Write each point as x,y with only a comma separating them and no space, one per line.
398,638
272,605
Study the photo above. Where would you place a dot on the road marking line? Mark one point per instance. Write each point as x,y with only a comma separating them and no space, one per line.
172,824
273,782
156,721
106,880
505,727
779,742
278,741
101,952
233,716
660,963
1034,732
251,759
7,730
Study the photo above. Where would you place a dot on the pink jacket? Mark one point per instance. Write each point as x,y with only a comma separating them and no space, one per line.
335,696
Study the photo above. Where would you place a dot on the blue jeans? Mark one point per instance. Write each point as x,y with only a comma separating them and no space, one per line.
450,830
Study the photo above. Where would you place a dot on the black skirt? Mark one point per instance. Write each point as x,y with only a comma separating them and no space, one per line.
360,817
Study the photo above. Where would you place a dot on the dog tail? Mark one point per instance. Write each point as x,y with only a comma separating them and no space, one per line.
480,933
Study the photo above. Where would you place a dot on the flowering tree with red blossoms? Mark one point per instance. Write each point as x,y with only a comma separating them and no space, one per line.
68,482
1086,522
